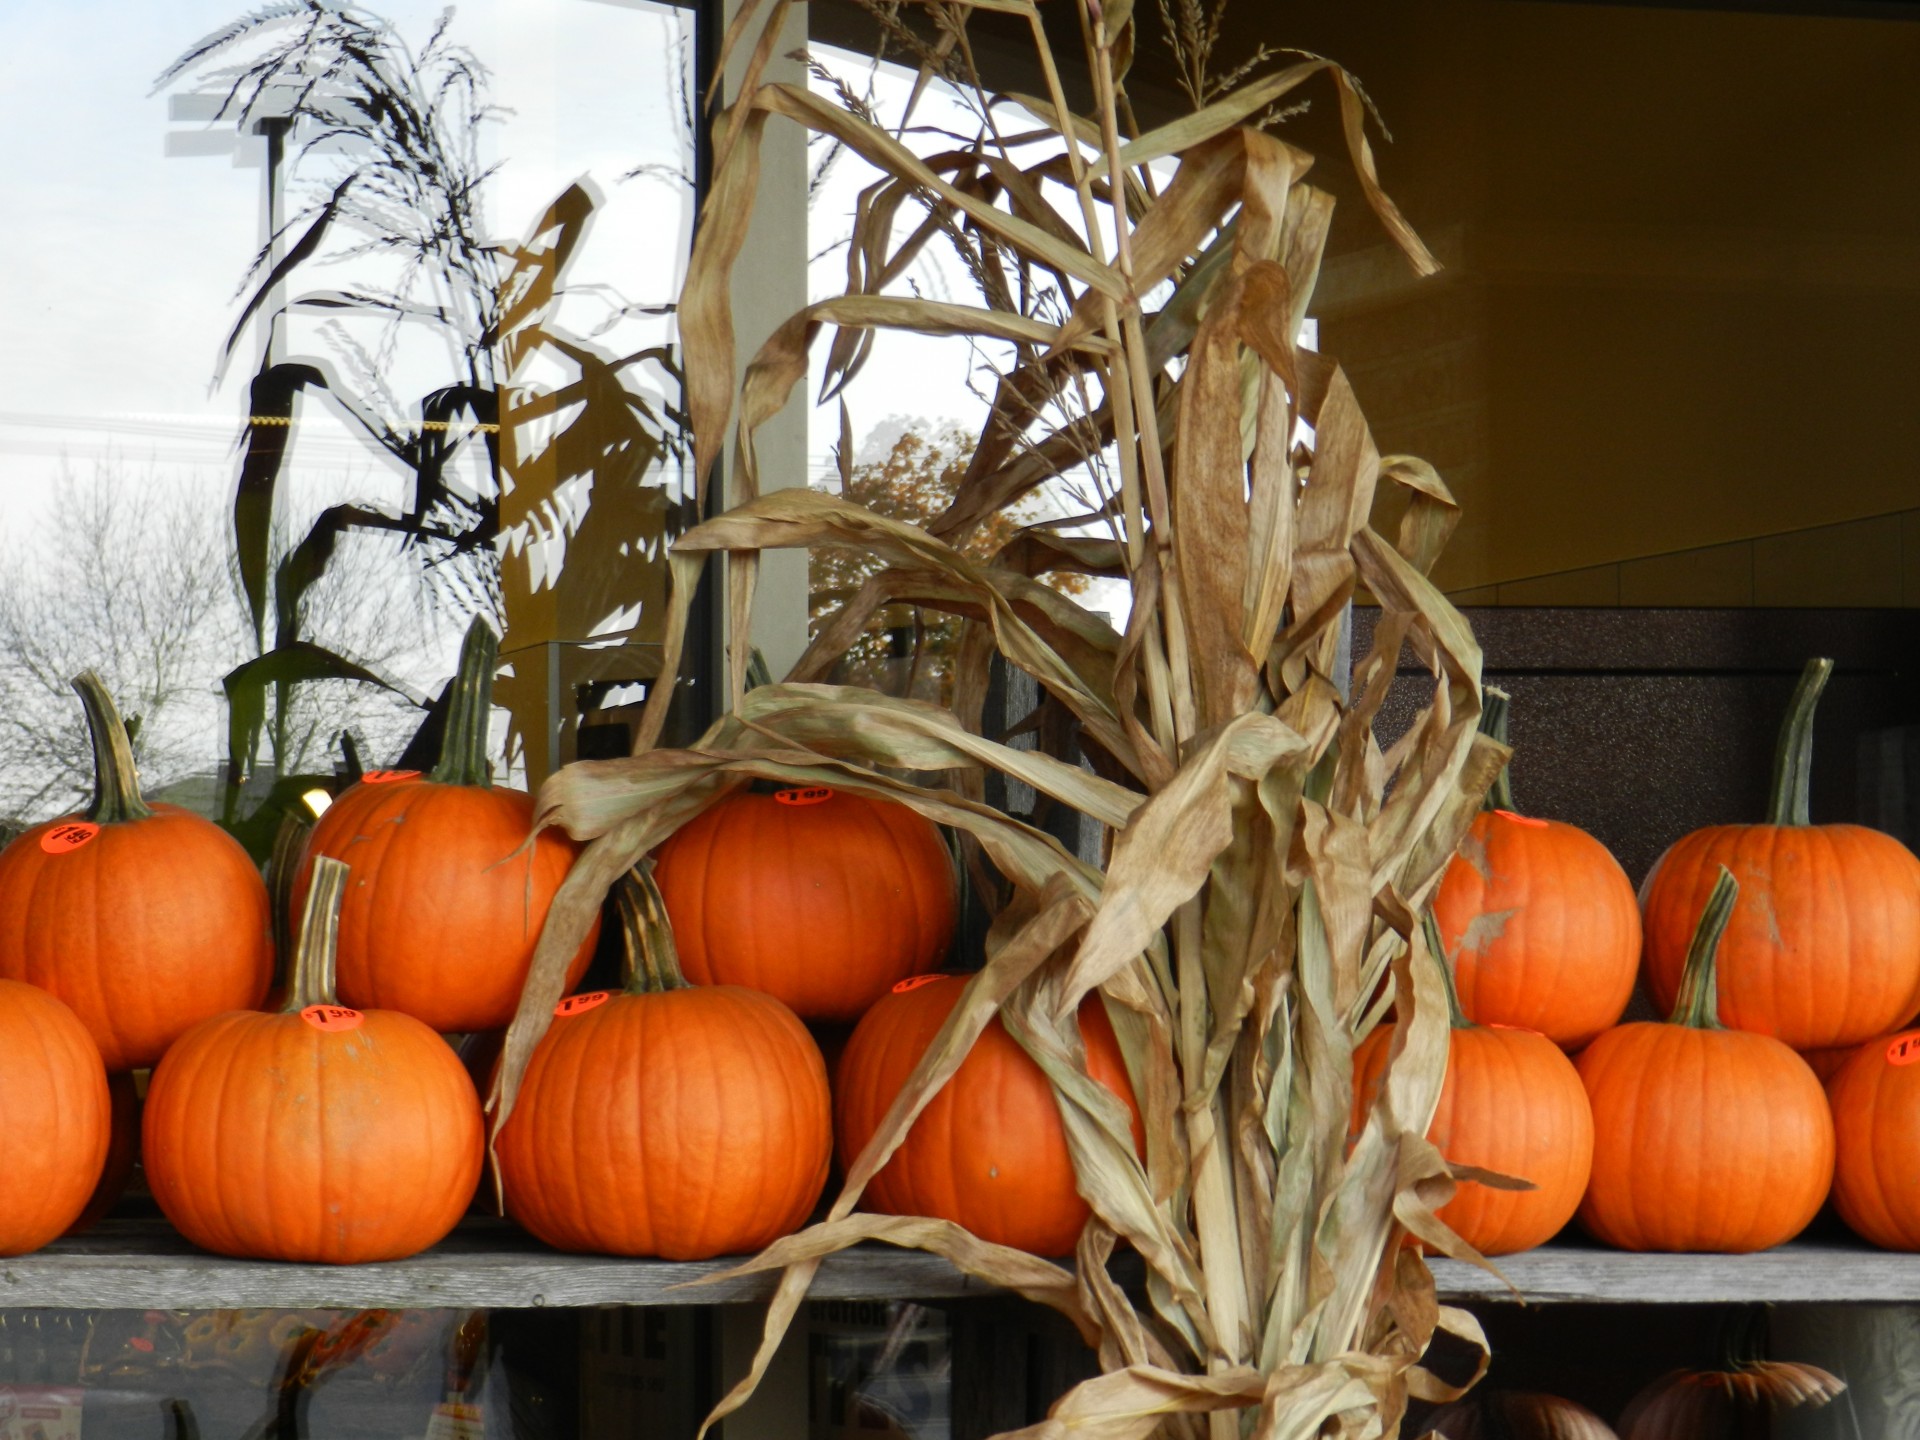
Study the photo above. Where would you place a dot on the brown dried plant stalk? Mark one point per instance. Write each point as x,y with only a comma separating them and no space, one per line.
1268,858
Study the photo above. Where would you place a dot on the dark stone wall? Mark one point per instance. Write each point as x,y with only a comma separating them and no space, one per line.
1640,725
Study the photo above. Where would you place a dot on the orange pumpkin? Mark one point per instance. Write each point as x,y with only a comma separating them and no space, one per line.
666,1119
1740,1400
143,918
989,1151
54,1113
1876,1121
1538,918
448,893
1704,1138
1511,1103
1516,1415
123,1148
1824,948
819,897
320,1134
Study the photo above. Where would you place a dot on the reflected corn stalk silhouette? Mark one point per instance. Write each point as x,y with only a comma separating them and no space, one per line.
1269,854
393,135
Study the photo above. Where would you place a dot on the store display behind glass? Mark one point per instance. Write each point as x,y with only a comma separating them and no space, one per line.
344,326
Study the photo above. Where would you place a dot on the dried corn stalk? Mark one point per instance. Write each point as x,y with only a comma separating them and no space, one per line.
1267,859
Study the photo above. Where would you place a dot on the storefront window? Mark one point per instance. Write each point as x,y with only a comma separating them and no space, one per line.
339,326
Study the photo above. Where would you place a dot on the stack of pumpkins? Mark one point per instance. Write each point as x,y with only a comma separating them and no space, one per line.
678,1120
279,1134
1783,953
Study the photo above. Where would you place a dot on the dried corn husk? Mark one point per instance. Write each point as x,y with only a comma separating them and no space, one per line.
1267,855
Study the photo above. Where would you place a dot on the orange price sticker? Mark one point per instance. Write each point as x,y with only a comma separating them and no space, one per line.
68,836
1526,820
1904,1050
331,1017
387,777
915,982
580,1004
810,795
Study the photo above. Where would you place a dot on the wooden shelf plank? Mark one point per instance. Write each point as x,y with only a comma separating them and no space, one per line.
145,1264
1804,1272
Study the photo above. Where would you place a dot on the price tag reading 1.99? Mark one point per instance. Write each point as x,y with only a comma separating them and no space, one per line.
68,836
331,1017
580,1004
1905,1049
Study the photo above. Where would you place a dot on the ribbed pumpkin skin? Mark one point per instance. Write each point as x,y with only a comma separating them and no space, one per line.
442,911
1704,1140
1542,926
682,1125
823,905
989,1152
1824,945
54,1117
1876,1121
267,1138
1512,1102
148,928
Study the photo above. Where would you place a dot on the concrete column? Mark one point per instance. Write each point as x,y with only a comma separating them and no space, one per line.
770,283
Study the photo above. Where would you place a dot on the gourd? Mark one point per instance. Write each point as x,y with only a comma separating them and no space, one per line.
449,888
54,1115
1705,1138
144,918
667,1119
1540,921
820,897
989,1151
1824,947
322,1133
1512,1103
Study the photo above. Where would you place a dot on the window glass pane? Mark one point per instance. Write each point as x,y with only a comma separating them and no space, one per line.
455,350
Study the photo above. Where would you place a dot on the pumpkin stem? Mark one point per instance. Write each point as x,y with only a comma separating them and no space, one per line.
1698,1004
1494,704
1437,948
311,982
116,782
1793,756
653,962
463,750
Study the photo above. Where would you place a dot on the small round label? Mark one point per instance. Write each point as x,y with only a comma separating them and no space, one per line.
580,1004
915,982
68,836
1905,1049
387,777
331,1017
809,795
1526,820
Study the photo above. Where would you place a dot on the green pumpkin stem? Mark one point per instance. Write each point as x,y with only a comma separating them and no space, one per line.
116,782
1698,1004
311,981
1793,756
463,750
1438,949
653,962
1493,723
